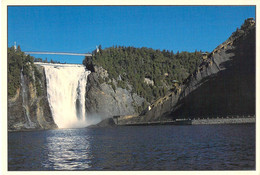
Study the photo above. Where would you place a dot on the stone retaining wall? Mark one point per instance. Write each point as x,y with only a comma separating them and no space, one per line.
223,121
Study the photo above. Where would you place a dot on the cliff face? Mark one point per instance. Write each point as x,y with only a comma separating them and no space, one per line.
28,110
106,101
224,84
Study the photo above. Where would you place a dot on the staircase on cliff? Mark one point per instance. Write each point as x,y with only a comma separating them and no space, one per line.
223,84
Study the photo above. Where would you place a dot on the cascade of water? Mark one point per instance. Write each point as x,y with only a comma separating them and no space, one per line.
66,85
81,89
29,123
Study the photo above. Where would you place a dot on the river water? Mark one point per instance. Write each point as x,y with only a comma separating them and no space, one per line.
194,147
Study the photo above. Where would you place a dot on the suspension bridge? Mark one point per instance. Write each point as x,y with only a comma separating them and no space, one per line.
58,53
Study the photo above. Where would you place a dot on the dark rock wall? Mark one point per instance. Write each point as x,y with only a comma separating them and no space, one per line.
227,87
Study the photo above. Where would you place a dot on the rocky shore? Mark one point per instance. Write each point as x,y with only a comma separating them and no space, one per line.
125,121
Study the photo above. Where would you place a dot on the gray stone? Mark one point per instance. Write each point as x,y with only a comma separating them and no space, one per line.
103,100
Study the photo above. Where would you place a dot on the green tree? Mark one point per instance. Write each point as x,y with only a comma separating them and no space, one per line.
134,64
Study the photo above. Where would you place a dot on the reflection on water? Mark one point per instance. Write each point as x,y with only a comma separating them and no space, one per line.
68,150
203,147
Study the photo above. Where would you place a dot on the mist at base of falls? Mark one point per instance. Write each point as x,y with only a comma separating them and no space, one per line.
66,87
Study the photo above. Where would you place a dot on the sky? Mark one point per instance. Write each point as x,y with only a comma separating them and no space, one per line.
79,29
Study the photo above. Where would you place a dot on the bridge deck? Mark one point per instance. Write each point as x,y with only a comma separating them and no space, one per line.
60,53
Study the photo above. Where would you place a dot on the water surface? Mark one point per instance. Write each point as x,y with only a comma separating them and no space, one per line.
201,147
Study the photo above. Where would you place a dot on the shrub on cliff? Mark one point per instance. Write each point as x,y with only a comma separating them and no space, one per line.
16,62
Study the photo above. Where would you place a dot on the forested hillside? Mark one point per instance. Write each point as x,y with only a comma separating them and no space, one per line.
17,62
151,73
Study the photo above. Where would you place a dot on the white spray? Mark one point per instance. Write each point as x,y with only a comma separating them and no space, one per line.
66,84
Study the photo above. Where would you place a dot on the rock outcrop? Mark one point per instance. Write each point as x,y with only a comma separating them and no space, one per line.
109,122
106,101
224,84
36,109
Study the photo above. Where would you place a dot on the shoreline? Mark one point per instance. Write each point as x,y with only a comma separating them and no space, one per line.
197,121
203,121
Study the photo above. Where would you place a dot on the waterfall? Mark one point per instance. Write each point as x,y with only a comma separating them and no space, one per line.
66,84
29,123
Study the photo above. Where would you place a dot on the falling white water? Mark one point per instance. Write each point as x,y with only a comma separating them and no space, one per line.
66,84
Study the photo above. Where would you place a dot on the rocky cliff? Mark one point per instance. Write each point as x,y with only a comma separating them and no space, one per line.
29,110
223,84
106,99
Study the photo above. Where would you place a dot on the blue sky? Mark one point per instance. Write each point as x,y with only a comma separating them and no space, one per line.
80,28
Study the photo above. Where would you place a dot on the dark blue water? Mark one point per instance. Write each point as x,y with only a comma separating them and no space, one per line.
201,147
